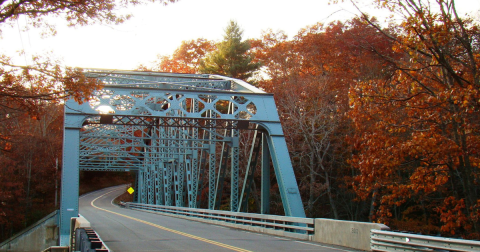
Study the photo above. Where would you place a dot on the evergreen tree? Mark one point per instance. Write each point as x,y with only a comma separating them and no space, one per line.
231,57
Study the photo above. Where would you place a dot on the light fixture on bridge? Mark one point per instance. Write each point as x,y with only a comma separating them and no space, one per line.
106,119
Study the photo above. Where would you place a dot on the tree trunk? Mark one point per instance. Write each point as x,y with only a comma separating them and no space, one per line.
330,197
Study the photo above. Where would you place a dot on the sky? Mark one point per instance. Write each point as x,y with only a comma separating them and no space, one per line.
155,29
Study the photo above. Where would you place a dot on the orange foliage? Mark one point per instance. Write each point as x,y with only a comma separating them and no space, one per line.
417,134
310,76
186,58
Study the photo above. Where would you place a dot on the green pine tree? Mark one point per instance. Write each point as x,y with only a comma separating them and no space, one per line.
231,57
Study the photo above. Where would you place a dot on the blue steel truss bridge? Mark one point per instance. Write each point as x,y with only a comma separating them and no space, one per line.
191,139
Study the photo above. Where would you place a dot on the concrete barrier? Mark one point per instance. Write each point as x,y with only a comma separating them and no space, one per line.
39,236
81,222
350,234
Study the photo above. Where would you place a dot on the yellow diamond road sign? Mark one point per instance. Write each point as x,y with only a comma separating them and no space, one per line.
130,190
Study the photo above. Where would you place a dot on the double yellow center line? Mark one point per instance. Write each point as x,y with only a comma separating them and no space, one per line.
223,245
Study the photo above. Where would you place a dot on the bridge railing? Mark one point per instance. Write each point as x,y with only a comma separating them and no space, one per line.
358,235
294,227
398,241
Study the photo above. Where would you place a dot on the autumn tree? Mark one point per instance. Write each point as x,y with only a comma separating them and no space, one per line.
310,76
417,134
232,56
22,87
30,114
186,58
45,78
29,168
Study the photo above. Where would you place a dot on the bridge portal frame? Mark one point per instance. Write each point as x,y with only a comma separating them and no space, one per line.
140,118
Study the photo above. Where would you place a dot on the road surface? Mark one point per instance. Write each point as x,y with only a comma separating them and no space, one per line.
131,230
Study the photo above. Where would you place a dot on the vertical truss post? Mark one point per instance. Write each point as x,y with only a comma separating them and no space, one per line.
150,182
211,177
148,165
159,183
234,169
70,182
192,176
157,166
135,187
142,185
182,159
211,164
201,175
169,168
211,172
192,200
188,177
176,182
180,181
265,191
167,178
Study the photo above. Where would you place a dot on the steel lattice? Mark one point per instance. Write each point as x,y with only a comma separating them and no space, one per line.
175,131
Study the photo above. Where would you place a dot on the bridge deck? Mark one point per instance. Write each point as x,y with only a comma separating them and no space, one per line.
130,230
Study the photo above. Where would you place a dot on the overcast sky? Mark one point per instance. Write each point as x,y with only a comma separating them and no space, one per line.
156,29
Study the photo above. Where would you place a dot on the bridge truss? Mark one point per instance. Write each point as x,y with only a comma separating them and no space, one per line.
182,135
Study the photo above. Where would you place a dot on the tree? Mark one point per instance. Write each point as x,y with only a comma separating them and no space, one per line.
23,87
29,168
187,57
46,79
310,76
231,58
30,111
417,134
83,12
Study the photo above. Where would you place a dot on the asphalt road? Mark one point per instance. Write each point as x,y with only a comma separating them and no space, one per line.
130,230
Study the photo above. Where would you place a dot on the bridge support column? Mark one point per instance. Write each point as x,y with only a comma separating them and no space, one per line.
292,202
287,184
70,182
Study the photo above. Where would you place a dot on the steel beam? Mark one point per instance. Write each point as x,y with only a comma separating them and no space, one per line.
70,182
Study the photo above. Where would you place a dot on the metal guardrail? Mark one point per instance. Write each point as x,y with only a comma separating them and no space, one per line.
397,241
303,228
295,227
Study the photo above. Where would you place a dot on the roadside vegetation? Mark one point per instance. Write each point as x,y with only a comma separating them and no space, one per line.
382,120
